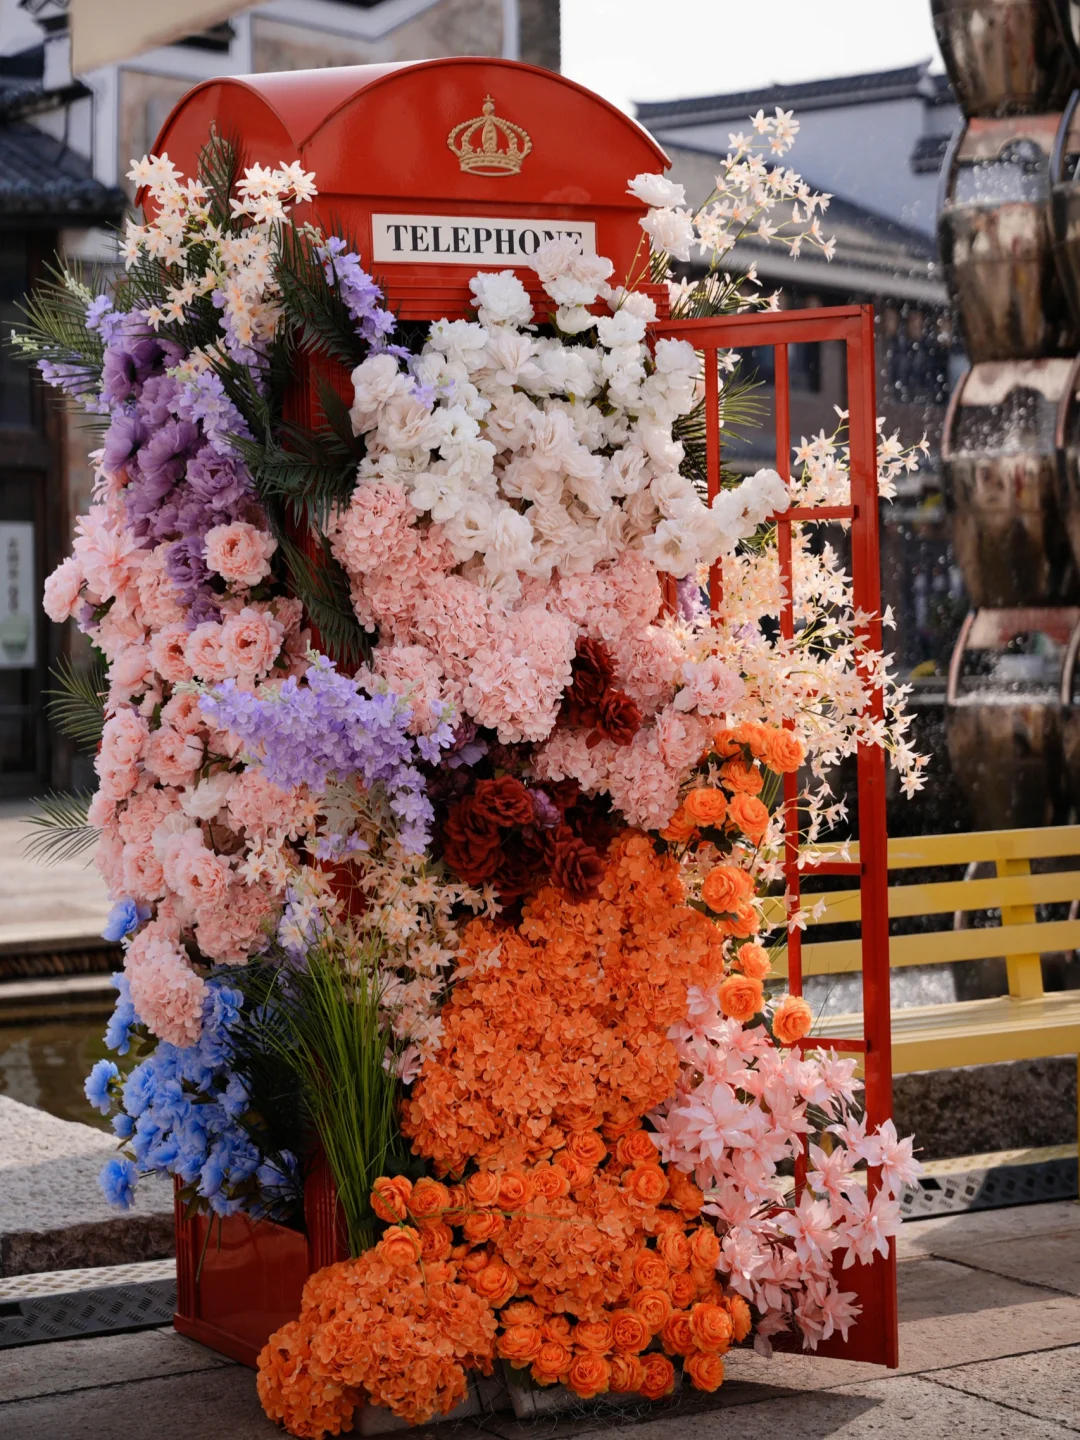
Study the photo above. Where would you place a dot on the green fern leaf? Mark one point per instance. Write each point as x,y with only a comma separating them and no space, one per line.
77,706
60,830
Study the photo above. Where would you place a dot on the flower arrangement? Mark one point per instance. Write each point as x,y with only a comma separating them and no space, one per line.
422,806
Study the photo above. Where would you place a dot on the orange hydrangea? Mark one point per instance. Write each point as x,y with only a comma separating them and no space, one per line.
569,1031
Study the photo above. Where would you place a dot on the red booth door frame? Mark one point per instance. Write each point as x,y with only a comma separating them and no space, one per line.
874,1337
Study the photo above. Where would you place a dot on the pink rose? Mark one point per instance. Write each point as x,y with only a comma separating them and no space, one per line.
116,781
173,757
712,687
182,713
682,738
239,553
251,642
203,652
202,878
168,653
144,878
124,738
62,590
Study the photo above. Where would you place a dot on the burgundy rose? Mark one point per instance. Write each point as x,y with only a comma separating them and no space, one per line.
619,718
593,672
577,867
503,802
470,843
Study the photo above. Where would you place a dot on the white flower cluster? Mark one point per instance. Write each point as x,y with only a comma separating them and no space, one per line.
540,454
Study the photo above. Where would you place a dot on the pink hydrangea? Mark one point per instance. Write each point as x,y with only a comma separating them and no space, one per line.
233,931
259,807
516,683
144,813
567,755
641,785
167,994
414,672
375,534
240,553
711,687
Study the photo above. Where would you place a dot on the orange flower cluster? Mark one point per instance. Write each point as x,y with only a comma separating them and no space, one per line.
566,1032
392,1327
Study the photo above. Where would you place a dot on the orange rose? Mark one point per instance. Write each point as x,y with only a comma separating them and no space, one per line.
679,828
711,1326
677,1336
725,888
746,922
629,1333
740,998
519,1344
748,814
474,1261
783,753
594,1335
399,1246
650,1271
706,806
459,1203
483,1188
659,1378
684,1289
637,1148
704,1248
725,744
515,1190
429,1199
551,1363
665,1221
496,1282
791,1020
706,1371
587,1148
741,1321
436,1241
479,1228
627,1374
390,1197
684,1193
741,776
752,734
522,1312
589,1375
576,1173
620,1120
648,1183
556,1327
654,1307
753,960
550,1181
675,1249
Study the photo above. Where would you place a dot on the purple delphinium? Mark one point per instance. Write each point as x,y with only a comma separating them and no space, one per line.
359,293
303,734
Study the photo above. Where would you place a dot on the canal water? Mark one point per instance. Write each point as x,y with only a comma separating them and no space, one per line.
45,1063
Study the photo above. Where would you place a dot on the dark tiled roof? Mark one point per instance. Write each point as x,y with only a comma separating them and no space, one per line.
928,153
911,80
41,179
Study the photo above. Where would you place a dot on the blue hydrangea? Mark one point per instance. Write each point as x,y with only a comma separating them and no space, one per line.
124,916
305,733
123,1019
118,1180
180,1112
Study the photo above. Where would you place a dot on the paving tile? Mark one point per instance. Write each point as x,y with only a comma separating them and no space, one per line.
220,1401
29,1371
1046,1385
1051,1260
888,1408
945,1233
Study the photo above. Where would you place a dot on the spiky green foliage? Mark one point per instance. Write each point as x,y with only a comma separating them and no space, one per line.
59,828
322,322
323,588
54,329
77,705
324,1022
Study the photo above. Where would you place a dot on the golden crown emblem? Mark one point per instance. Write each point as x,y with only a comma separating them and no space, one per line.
489,145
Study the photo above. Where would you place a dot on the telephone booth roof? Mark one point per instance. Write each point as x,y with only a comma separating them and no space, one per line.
494,142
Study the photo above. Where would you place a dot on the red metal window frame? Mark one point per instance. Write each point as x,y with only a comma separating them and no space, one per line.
874,1337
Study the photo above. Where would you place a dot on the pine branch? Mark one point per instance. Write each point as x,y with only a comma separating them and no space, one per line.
77,706
60,827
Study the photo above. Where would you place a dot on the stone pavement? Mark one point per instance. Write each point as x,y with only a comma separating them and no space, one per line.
42,906
989,1347
53,1215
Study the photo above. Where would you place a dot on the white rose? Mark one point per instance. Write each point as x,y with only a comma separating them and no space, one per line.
510,547
207,798
673,546
654,190
638,303
622,328
470,530
671,231
573,319
676,357
675,496
375,382
501,299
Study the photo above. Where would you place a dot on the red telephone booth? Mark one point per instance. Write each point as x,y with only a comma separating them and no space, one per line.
435,170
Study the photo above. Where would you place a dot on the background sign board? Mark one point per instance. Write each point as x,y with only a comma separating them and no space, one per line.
18,597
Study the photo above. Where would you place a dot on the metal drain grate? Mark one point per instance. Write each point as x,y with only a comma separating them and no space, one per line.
991,1182
65,1304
